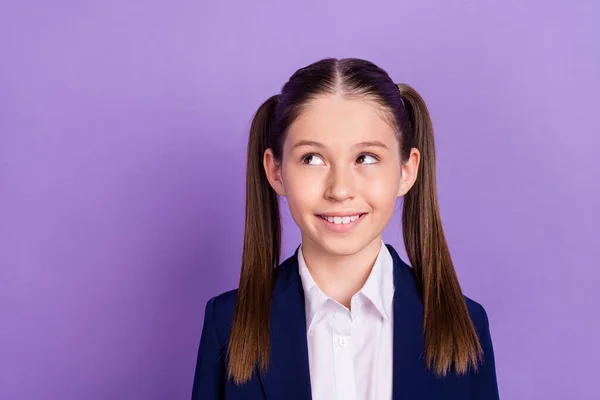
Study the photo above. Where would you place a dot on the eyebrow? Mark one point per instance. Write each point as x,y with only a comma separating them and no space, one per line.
361,145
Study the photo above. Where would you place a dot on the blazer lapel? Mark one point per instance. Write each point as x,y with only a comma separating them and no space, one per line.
288,376
411,379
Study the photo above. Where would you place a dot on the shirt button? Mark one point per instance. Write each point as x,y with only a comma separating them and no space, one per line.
343,341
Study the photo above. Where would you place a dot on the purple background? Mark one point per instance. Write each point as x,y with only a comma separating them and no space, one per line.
122,145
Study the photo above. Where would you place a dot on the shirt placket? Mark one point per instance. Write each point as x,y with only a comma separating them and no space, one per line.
342,354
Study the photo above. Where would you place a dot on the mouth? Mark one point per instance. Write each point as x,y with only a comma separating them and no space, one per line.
342,219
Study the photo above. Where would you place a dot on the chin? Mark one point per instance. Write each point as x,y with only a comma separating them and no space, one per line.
343,246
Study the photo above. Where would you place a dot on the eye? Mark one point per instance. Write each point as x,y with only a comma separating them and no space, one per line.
367,159
312,159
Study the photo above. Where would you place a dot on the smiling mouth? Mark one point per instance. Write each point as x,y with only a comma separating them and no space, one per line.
342,220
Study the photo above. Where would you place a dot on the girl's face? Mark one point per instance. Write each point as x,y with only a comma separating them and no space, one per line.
341,173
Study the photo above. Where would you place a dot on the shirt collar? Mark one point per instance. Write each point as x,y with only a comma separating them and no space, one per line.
378,288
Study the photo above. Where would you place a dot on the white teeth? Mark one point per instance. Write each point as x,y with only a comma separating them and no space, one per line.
341,220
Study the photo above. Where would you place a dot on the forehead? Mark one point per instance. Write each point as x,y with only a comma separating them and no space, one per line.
333,119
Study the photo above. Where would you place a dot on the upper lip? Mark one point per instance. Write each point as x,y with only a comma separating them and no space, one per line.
341,214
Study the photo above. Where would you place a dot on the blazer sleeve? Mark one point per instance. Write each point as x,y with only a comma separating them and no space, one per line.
210,367
485,385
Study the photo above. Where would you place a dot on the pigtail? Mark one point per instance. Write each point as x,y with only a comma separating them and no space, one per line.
249,344
450,336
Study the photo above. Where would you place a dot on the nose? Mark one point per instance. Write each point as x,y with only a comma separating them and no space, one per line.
341,184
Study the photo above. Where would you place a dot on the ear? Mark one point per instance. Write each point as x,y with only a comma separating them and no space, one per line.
409,172
273,172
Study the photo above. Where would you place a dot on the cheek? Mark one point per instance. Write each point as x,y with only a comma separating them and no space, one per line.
381,187
302,190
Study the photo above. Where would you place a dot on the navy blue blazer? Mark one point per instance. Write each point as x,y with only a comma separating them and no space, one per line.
288,376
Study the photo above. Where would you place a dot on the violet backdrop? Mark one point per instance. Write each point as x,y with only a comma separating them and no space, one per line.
123,128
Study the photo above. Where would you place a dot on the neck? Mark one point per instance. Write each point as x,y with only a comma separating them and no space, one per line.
340,276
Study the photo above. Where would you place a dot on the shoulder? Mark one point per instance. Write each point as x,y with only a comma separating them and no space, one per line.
219,310
482,326
484,383
478,315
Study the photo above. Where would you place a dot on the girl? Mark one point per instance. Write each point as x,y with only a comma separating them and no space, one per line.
344,318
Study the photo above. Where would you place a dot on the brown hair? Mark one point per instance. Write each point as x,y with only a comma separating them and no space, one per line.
450,337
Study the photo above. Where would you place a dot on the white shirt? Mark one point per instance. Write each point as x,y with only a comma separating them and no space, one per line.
350,351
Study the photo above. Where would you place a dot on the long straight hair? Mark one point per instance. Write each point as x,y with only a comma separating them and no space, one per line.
451,342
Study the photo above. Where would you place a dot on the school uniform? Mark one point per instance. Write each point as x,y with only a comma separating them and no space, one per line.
322,350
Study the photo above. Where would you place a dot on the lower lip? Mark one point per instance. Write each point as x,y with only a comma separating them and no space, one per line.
340,228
